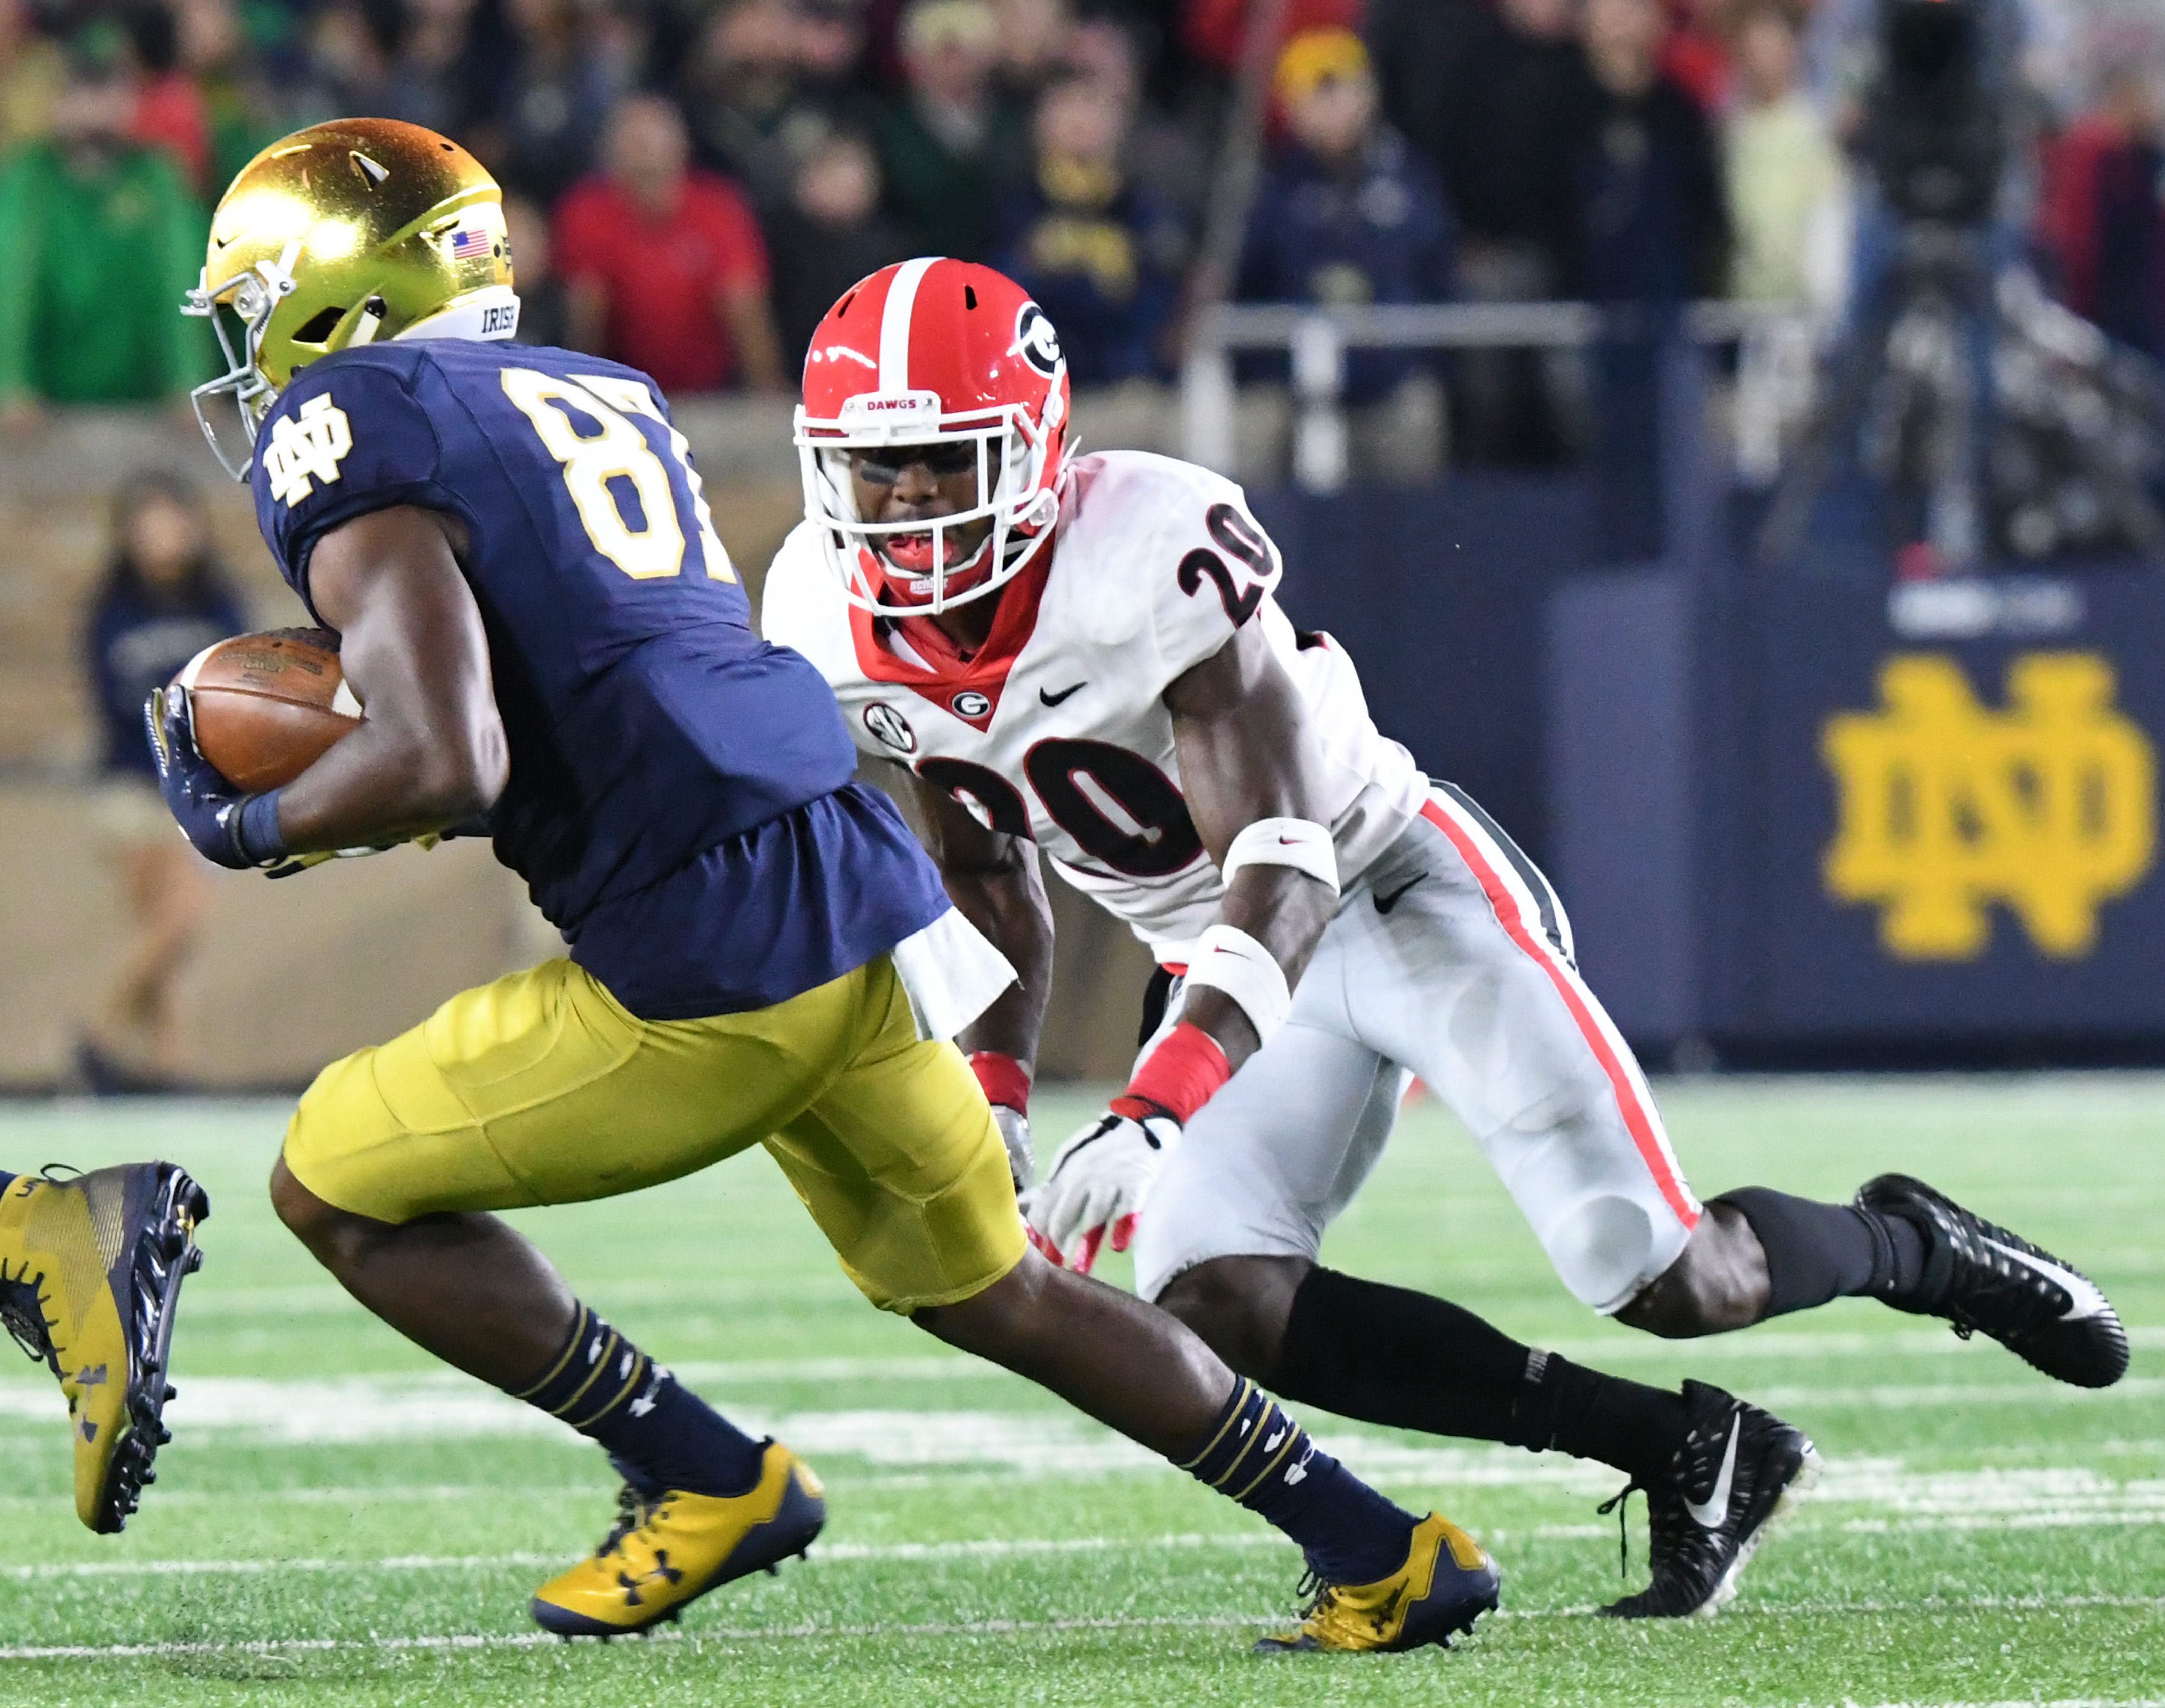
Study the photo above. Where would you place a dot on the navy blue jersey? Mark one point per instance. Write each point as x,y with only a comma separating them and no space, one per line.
670,772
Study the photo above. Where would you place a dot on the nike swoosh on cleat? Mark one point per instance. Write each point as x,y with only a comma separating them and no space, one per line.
1054,699
1384,904
1713,1512
2085,1301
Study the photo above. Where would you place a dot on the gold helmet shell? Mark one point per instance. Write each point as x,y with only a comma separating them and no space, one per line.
343,234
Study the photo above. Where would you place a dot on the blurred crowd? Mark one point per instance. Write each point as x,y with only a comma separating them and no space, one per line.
692,182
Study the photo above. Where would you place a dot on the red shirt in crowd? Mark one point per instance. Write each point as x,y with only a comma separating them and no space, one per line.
662,276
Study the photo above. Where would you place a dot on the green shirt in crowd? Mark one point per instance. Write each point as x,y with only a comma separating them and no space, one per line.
93,264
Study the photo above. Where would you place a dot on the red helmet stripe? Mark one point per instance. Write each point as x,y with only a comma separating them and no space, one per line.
895,322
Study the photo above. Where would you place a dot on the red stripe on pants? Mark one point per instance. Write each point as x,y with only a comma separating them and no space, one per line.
1628,1102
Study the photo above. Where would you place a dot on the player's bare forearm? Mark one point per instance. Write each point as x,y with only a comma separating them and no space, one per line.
994,880
1246,753
430,752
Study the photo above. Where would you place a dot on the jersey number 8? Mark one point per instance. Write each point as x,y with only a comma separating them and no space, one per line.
593,463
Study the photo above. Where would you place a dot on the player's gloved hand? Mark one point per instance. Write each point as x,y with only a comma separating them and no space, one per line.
206,805
1097,1186
1102,1175
1006,1085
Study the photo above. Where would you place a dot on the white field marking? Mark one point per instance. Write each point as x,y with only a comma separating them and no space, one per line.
1775,1344
853,1553
1001,1627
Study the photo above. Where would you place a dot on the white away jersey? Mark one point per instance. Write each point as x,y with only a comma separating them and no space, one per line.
1057,728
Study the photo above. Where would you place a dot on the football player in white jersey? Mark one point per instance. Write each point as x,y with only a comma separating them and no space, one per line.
1084,653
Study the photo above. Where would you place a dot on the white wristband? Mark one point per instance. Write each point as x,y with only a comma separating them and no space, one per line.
1227,958
1299,843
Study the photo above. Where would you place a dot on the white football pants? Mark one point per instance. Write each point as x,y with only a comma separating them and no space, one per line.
1450,958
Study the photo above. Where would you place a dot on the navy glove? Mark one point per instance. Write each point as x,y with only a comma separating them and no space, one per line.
226,825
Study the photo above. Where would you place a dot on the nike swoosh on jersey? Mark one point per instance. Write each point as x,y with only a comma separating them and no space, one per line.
1713,1512
1065,693
2084,1300
1384,904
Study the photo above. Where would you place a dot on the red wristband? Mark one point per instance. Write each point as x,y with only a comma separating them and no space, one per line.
1177,1078
1004,1079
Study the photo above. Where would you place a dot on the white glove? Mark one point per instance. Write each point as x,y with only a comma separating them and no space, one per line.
1015,1134
1097,1186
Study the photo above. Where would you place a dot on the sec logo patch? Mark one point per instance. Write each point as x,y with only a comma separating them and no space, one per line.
970,703
890,726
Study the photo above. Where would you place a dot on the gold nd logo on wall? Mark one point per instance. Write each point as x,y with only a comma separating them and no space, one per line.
1947,805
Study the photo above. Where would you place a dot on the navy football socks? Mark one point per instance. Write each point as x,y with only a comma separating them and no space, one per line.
1817,1252
612,1393
1263,1459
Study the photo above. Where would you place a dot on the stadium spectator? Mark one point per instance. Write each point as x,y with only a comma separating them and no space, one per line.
1494,98
1349,213
1216,30
169,106
1101,254
664,265
2103,212
1695,50
229,58
543,139
1653,226
949,147
828,235
31,73
449,66
1788,188
1032,34
544,312
1169,151
164,599
831,49
102,240
741,99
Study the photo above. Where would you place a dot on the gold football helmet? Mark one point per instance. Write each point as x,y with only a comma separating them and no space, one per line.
344,233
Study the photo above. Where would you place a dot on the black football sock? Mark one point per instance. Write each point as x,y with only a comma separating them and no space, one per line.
1568,1408
1258,1456
611,1392
1386,1355
1817,1252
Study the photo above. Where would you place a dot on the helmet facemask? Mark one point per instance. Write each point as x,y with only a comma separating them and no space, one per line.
1017,488
252,298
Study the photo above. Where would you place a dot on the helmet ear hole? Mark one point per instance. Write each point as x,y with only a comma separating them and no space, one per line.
318,326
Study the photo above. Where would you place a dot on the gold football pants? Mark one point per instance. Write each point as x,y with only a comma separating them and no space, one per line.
541,1089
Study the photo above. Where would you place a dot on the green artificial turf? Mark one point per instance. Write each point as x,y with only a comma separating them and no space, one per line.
338,1520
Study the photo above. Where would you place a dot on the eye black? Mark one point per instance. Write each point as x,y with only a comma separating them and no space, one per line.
884,468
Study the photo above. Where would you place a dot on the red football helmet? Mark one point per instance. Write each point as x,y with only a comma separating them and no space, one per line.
935,350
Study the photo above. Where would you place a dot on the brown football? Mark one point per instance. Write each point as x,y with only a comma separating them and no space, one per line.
267,707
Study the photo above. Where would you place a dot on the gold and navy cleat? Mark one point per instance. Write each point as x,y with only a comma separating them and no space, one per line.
669,1548
91,1270
1447,1582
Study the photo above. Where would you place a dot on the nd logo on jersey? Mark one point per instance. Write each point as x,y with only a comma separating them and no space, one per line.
1947,805
306,446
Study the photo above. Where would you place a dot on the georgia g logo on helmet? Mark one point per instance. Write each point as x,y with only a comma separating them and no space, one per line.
1036,340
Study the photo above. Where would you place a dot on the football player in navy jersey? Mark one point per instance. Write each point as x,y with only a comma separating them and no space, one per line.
548,638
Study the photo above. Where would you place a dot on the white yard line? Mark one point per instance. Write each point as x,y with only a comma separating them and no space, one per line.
532,1639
